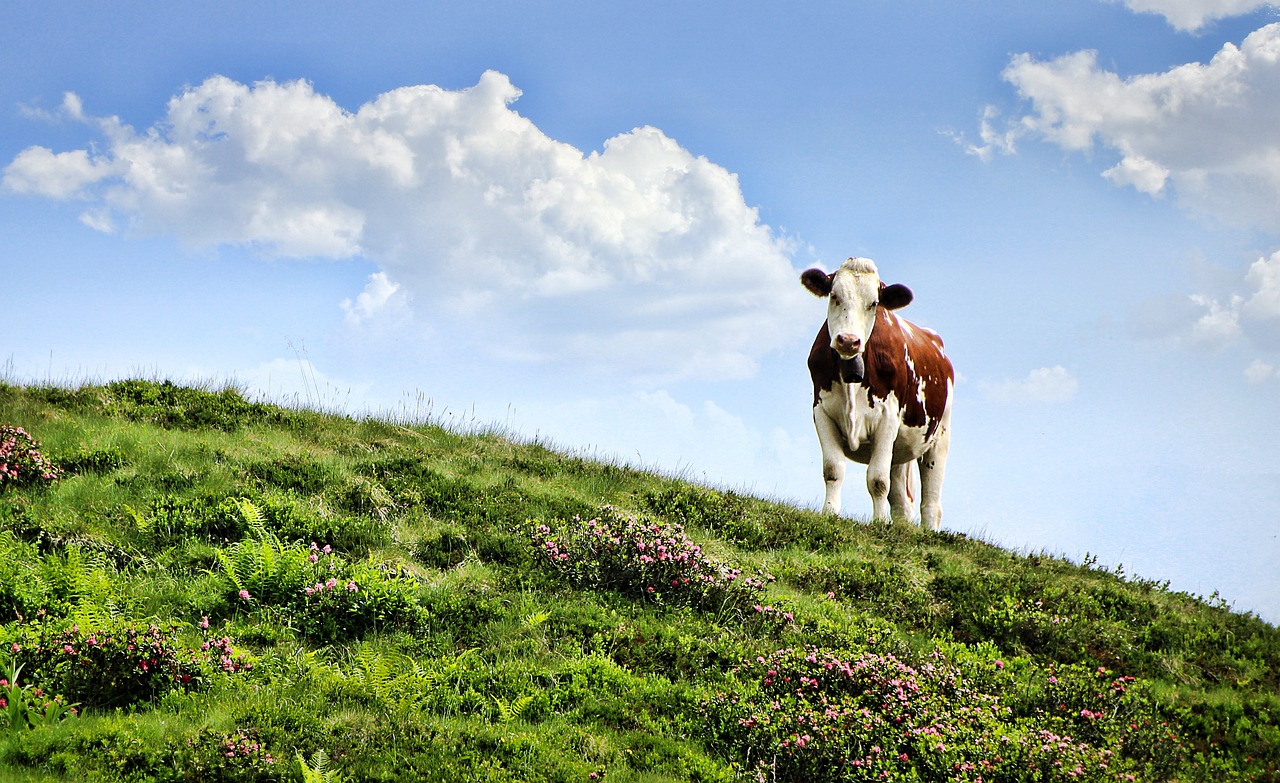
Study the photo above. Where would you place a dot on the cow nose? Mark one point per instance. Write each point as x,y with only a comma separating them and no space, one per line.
847,344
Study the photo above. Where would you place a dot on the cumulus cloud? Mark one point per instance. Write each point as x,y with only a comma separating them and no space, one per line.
1191,15
1259,372
1254,315
1042,385
41,172
1206,131
381,299
641,252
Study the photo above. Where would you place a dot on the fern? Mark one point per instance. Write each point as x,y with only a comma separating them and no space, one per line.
319,770
507,712
253,516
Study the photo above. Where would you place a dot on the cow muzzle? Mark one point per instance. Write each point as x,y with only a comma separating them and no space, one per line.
847,345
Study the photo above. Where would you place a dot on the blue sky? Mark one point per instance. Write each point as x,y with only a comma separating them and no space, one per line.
585,222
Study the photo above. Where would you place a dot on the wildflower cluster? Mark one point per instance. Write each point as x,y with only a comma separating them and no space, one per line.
118,664
811,714
327,596
21,463
643,557
24,707
227,758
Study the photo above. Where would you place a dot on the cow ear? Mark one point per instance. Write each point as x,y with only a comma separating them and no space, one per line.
817,281
894,296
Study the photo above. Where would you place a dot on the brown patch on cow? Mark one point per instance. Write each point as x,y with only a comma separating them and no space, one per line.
887,369
822,363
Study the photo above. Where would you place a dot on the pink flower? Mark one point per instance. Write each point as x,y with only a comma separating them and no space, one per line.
999,664
351,587
244,595
332,583
204,622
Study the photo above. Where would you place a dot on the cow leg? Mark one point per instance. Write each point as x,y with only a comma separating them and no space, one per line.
900,505
878,475
933,466
833,459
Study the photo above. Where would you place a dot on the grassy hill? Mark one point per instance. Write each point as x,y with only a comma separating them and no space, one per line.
232,591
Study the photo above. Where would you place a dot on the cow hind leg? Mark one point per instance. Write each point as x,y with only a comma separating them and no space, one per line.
900,503
933,464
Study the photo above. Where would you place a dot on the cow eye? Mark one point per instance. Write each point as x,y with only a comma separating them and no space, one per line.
873,305
835,300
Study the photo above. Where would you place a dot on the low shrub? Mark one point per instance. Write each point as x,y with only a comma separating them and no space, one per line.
643,558
21,463
804,714
117,663
85,461
215,757
26,707
323,594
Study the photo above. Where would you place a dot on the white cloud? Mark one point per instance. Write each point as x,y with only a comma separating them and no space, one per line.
1264,300
39,171
1253,315
994,139
1191,15
640,253
1142,174
381,299
1219,325
1260,372
1206,129
1043,385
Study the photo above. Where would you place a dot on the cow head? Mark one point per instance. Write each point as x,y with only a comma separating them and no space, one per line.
854,293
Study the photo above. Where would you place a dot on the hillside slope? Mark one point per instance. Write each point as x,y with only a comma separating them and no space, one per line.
233,591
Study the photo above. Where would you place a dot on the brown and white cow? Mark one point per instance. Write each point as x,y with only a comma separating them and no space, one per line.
882,390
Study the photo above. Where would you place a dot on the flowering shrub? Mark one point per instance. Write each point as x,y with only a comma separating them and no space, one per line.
21,463
645,558
811,714
213,757
326,596
119,663
24,707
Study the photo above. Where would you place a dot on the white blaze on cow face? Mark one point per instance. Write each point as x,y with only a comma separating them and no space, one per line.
851,306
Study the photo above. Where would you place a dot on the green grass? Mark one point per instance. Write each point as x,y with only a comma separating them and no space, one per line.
473,619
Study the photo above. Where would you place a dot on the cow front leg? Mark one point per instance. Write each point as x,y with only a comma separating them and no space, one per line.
879,479
833,460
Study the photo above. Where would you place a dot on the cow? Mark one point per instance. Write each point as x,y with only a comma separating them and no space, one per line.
882,390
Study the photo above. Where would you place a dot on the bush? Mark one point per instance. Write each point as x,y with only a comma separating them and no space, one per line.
325,596
178,407
25,707
805,714
643,558
21,463
215,757
32,584
118,663
92,461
